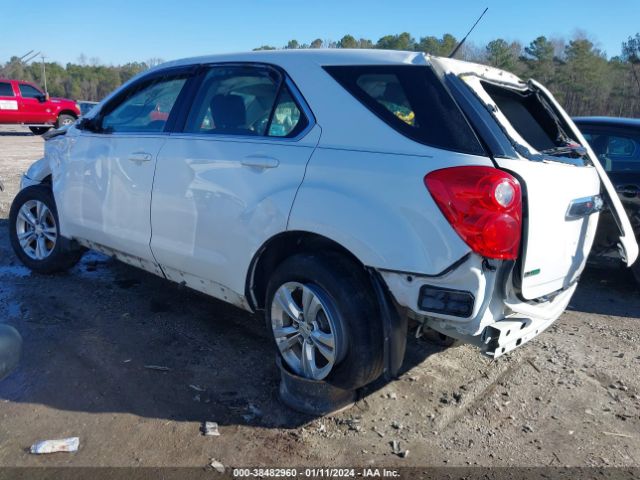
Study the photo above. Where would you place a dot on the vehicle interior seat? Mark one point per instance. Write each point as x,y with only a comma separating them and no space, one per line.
229,115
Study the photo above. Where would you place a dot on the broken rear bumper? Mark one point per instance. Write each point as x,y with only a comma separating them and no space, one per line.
497,321
527,322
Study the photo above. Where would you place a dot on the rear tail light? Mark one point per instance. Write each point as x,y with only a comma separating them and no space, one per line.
482,204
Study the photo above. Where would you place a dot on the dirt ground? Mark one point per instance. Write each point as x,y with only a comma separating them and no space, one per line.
570,397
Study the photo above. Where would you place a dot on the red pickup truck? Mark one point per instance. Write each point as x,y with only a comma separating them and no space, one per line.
24,103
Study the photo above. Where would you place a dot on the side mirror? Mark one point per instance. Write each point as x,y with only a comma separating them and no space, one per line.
89,124
42,98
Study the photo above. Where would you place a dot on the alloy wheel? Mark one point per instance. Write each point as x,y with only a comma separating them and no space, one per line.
36,229
306,330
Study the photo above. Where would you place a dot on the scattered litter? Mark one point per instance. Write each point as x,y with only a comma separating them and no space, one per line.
160,368
396,425
52,446
380,434
535,367
392,396
215,464
196,398
613,434
197,388
210,429
395,448
126,361
527,428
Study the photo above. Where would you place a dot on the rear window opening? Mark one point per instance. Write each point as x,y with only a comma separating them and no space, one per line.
536,121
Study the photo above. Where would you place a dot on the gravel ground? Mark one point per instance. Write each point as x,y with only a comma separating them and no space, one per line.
570,397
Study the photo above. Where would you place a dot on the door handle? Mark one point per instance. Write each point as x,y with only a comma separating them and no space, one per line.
260,161
140,157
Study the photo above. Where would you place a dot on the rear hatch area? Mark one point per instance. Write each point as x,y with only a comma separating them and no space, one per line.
564,186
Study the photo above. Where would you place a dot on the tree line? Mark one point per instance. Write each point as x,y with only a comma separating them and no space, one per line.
576,71
78,81
580,75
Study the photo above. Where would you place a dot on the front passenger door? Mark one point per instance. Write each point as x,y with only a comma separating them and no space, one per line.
33,108
105,195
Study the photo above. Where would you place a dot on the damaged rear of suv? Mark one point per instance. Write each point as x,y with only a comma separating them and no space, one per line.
530,223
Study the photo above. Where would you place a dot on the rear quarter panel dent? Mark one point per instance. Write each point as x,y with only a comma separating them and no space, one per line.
376,206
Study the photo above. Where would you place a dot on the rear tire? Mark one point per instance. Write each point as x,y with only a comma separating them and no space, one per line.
34,232
343,307
39,130
64,120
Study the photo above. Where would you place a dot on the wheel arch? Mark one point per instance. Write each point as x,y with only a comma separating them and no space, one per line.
68,112
279,247
283,245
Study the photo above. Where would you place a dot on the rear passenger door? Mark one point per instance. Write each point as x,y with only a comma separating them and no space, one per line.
226,180
8,104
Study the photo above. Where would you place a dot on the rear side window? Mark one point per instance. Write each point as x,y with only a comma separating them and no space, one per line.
286,117
413,101
6,90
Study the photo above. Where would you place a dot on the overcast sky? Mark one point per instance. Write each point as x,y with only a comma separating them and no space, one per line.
122,31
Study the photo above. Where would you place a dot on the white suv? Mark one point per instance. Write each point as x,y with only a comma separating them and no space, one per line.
339,191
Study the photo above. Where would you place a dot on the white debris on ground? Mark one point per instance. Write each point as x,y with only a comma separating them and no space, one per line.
70,444
210,429
216,465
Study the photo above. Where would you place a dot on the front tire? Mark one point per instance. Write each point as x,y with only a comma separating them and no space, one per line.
39,130
64,120
34,232
324,319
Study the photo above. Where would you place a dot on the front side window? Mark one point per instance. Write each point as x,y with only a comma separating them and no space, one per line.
412,100
28,91
145,108
617,153
6,90
238,100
